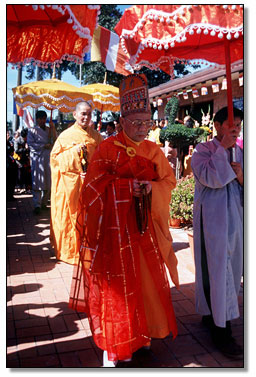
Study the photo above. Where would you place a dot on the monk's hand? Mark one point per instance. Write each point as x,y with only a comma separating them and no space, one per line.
79,147
139,187
82,175
239,172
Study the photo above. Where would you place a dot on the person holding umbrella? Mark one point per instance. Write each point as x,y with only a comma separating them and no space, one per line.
70,156
218,229
120,281
40,145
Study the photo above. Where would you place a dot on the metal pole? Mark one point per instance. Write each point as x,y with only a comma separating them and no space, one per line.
229,92
105,78
80,74
54,71
229,84
19,81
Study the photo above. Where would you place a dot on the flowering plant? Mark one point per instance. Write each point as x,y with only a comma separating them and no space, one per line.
181,206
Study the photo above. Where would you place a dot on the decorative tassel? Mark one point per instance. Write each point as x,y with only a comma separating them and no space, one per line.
83,158
142,209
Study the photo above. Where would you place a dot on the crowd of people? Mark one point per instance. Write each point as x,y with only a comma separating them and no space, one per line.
110,193
18,168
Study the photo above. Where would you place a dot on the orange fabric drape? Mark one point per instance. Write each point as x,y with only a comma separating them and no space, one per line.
66,186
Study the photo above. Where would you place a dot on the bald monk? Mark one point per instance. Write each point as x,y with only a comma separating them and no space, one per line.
70,156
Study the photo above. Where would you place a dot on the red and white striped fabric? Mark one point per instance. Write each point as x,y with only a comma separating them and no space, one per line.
107,49
27,119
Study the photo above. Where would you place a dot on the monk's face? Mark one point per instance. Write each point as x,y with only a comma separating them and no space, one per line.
132,127
83,115
41,122
224,129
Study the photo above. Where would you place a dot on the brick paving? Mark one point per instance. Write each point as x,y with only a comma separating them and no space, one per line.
42,332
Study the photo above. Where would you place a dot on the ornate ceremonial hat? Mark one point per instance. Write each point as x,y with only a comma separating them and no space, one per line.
133,92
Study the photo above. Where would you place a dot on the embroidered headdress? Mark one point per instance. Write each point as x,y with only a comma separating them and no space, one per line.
133,92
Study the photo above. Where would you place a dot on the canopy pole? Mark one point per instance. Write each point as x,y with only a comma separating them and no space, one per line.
54,71
80,74
17,118
229,92
229,84
105,78
101,117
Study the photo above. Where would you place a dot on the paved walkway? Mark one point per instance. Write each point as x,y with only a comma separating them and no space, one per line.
42,332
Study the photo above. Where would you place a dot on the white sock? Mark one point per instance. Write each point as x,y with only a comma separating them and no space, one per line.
106,362
111,364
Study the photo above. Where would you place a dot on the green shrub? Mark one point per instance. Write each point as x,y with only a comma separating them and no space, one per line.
181,206
180,136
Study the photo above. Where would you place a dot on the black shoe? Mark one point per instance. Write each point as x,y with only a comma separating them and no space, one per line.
11,199
44,207
37,211
126,364
229,348
207,321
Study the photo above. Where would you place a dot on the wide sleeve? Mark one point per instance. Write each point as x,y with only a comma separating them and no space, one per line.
102,188
161,197
35,144
66,157
66,180
211,166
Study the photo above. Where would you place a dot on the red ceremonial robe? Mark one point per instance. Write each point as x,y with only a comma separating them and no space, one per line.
108,283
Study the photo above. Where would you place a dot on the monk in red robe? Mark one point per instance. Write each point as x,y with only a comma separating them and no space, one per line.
121,281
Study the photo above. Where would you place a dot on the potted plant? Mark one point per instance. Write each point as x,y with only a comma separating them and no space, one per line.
175,212
181,206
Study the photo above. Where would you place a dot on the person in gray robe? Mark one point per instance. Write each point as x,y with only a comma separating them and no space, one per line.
38,140
218,229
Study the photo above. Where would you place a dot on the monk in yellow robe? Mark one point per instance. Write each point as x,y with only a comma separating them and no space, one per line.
70,155
154,134
121,281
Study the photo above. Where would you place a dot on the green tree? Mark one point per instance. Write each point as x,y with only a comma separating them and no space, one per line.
158,77
171,109
93,72
178,135
109,16
44,73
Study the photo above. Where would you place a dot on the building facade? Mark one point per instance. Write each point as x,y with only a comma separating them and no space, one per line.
200,92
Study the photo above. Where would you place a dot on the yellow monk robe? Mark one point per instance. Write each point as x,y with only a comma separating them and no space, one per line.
154,136
161,197
65,190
